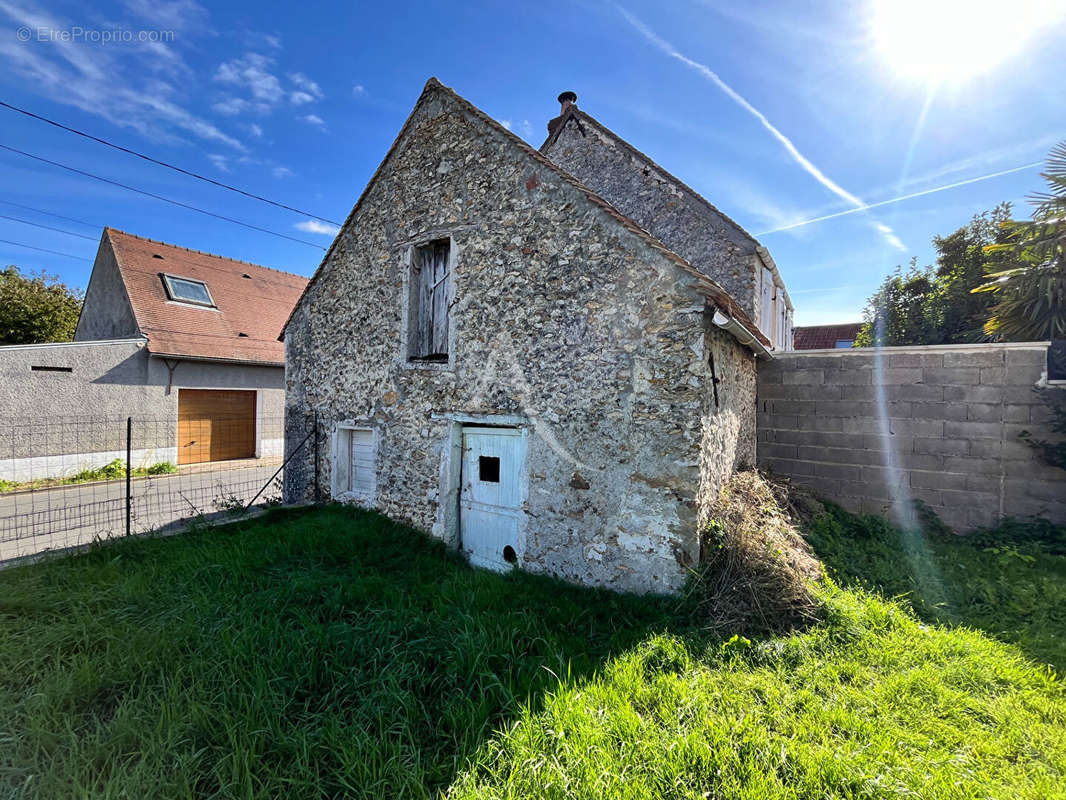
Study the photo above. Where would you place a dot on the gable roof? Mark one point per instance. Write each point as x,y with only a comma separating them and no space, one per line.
824,337
710,289
733,229
249,299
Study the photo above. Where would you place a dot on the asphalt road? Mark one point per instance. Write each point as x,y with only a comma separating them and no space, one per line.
69,516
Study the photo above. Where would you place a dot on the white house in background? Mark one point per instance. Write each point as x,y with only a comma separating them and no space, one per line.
183,339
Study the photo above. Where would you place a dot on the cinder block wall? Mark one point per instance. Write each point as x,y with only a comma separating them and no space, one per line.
872,430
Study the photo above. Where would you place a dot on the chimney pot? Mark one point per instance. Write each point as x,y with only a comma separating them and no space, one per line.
567,99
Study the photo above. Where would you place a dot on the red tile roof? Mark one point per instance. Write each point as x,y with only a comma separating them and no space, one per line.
249,299
824,337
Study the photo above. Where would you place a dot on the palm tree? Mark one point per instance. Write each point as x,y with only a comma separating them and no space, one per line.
1032,298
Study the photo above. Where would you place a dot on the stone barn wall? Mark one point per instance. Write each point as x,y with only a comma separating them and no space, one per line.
564,323
938,424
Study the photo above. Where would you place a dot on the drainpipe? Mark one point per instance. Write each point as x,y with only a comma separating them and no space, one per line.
741,334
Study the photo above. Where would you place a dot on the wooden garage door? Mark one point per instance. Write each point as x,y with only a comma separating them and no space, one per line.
215,425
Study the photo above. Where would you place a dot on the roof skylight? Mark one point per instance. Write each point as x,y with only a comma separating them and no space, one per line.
187,290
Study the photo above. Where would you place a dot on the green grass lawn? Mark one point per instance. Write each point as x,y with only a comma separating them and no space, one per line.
331,652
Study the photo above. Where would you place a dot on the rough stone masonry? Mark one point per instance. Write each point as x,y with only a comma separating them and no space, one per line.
566,323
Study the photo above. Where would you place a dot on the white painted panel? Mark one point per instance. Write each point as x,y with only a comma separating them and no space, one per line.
361,462
490,510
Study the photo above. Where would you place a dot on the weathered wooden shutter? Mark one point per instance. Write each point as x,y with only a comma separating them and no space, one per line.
431,335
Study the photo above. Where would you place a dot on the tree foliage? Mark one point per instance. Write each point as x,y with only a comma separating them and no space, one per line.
36,308
936,304
1031,296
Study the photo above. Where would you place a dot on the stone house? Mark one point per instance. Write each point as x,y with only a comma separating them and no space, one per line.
495,352
186,342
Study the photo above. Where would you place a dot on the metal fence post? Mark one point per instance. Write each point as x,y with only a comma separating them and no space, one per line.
318,490
129,486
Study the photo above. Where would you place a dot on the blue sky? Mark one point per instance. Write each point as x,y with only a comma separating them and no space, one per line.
776,112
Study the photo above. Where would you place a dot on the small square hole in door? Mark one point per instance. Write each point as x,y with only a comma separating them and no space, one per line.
488,469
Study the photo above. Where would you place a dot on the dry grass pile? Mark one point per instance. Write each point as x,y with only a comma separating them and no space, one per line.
756,572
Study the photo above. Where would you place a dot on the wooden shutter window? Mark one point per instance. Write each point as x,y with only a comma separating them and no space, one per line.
430,339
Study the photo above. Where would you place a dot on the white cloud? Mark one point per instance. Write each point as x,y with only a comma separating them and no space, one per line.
315,226
313,119
306,84
506,123
359,90
231,106
256,131
890,236
221,162
805,163
298,98
281,172
170,15
121,85
251,72
526,128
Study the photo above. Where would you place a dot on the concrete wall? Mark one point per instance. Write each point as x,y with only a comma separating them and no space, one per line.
106,312
938,424
56,423
564,324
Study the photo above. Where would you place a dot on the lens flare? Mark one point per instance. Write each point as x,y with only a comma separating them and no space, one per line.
948,41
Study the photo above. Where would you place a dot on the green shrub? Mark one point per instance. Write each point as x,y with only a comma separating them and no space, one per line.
162,468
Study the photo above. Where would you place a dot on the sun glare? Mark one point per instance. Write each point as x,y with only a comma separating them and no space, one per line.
948,41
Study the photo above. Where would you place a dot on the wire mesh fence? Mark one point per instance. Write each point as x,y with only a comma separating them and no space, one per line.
67,482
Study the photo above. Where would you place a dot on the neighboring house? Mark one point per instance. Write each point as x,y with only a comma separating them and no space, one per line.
674,214
497,354
180,337
826,337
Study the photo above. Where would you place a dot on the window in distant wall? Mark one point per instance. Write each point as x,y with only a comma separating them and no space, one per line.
844,343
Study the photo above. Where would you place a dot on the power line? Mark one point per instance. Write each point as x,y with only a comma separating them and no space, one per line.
48,227
41,249
156,161
50,214
159,197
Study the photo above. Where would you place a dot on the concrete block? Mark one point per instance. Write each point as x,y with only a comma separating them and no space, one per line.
1027,357
1016,412
984,412
1034,490
827,424
841,471
918,427
988,484
973,394
914,392
938,480
859,425
919,461
972,430
914,360
829,487
1023,395
930,497
885,476
898,376
966,499
803,376
986,448
840,455
853,377
951,376
994,376
942,447
855,391
1023,376
844,408
975,358
773,450
954,411
799,407
972,466
787,466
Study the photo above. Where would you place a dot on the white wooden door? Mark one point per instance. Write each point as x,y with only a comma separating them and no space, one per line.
490,503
